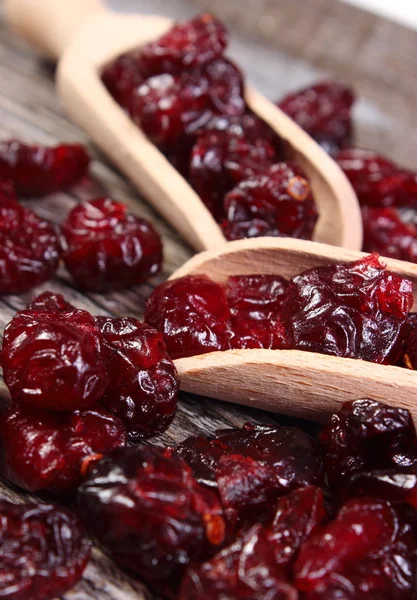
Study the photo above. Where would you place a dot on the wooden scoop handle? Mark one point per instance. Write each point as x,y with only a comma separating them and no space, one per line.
49,25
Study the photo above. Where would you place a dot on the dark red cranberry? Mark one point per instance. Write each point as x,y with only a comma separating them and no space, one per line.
246,570
324,111
44,551
385,233
185,45
377,181
37,170
157,517
29,247
409,355
367,552
107,247
396,485
49,301
143,383
225,87
44,450
122,76
279,199
53,359
192,313
357,310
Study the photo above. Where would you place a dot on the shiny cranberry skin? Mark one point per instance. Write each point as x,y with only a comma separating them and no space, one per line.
409,355
49,301
157,517
29,247
246,570
385,233
185,45
356,310
192,313
122,76
225,87
324,111
37,170
107,248
45,450
44,551
280,199
367,552
143,383
53,359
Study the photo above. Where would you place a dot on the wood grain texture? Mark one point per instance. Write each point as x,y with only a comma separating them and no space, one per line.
29,110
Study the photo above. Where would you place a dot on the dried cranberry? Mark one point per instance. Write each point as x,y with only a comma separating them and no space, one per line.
49,301
192,313
157,518
37,170
367,552
385,233
46,451
357,310
107,247
143,384
225,89
185,45
395,485
53,359
279,200
324,111
29,247
246,570
409,355
122,76
44,551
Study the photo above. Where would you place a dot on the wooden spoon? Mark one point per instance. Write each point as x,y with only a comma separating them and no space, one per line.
87,36
304,384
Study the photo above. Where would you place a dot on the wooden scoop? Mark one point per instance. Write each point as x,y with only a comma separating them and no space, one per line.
292,382
87,36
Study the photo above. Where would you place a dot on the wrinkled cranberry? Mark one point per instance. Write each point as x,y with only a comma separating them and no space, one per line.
246,570
53,359
43,551
143,384
47,451
279,200
324,111
185,45
377,181
395,485
385,233
192,313
367,552
49,301
29,247
357,310
225,87
107,247
157,517
37,170
122,76
409,355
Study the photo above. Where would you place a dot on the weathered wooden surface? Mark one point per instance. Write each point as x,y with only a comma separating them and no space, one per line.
30,111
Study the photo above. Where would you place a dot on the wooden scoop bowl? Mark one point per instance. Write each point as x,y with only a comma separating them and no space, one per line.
293,382
87,36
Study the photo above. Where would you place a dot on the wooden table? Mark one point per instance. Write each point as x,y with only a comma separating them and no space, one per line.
386,120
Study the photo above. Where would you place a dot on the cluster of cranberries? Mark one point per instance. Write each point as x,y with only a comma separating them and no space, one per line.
189,100
101,244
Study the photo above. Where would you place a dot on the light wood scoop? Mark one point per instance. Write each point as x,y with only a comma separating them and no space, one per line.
292,382
87,35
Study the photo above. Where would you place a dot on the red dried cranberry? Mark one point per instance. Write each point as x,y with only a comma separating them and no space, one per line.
108,248
37,170
192,313
29,247
143,384
279,200
225,87
122,76
409,355
395,485
44,551
157,518
185,45
47,451
246,570
49,301
377,181
53,359
367,552
385,233
357,310
324,111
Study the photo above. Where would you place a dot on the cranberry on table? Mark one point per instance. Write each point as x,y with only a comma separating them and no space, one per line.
49,451
157,517
357,310
44,551
122,76
279,200
106,247
384,232
49,301
143,383
38,170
